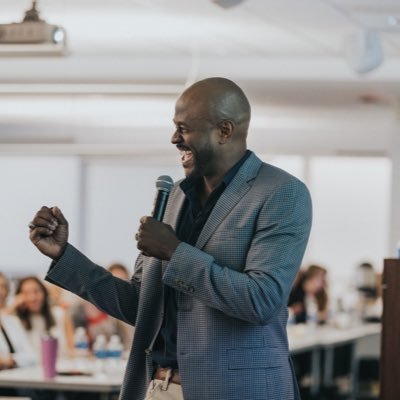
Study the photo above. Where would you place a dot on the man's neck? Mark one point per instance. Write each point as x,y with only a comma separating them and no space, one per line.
212,182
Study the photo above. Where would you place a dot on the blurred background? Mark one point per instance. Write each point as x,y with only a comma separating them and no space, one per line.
86,118
87,94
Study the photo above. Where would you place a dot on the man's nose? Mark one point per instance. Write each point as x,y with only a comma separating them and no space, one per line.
176,138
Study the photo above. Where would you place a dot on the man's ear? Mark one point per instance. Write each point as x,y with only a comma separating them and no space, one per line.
226,128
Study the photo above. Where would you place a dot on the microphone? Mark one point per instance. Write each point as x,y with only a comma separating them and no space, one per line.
164,185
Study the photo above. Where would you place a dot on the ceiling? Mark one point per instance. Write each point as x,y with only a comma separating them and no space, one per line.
127,60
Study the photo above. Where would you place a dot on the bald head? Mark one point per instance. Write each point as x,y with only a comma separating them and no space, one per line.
221,99
211,119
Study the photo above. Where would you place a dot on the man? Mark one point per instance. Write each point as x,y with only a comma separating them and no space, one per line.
209,292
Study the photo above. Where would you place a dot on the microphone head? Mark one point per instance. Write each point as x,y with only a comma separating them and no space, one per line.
165,183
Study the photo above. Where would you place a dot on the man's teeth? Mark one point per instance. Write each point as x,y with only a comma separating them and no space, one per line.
186,155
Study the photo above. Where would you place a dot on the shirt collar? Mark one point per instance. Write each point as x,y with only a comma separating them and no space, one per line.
188,185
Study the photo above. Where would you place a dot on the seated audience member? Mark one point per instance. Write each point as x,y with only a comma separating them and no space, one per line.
98,322
5,288
366,279
15,349
119,270
125,330
39,318
368,284
95,321
58,296
4,291
309,287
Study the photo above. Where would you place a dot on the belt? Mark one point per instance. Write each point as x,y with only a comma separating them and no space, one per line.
165,373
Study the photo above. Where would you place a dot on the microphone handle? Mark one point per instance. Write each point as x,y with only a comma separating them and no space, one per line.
160,204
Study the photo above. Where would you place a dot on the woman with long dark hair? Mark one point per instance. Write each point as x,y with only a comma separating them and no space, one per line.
39,318
310,285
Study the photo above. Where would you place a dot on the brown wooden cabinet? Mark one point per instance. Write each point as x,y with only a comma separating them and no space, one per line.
390,346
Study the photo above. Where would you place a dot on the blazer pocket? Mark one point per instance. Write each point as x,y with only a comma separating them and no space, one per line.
265,357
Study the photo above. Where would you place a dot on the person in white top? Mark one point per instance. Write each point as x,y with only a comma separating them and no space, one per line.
4,291
15,348
33,308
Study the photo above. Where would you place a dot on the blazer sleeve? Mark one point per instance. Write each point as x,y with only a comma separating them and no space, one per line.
261,287
76,273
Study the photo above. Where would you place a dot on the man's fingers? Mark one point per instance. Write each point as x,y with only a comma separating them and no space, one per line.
39,232
56,212
49,218
45,214
49,223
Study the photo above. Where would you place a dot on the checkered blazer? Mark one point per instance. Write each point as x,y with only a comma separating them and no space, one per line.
232,290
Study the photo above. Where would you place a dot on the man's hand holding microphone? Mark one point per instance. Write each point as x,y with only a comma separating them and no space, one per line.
154,238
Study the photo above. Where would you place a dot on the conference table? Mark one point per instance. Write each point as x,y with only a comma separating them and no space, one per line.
71,377
321,342
107,383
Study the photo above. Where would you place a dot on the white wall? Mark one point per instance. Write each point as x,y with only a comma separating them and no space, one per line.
351,198
27,183
351,207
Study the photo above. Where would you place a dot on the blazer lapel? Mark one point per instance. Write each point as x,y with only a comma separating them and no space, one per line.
237,188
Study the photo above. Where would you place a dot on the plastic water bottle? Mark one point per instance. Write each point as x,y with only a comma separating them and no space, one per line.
115,350
115,347
81,342
100,352
312,312
81,348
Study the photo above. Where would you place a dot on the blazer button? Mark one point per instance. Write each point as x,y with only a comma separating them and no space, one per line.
179,283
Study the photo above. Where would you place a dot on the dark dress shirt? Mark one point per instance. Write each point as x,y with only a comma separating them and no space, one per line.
191,222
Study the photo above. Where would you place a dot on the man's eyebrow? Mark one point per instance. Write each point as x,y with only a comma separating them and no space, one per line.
178,122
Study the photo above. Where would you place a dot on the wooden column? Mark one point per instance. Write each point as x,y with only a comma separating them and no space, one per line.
390,345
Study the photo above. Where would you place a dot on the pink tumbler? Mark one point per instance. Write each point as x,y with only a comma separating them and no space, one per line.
49,345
